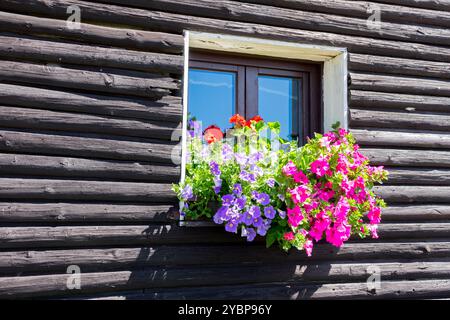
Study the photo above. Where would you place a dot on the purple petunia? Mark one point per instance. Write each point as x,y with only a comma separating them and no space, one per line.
227,152
187,193
231,226
263,227
239,203
246,176
247,218
255,211
221,215
217,185
271,182
269,212
249,233
227,200
262,198
257,222
214,167
237,189
282,214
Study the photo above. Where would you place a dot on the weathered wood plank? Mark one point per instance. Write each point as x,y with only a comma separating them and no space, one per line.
416,213
166,109
93,34
415,85
121,258
56,284
12,188
38,119
69,53
414,194
394,138
86,146
382,64
398,120
389,290
442,5
14,212
362,9
418,176
91,236
86,80
413,158
32,165
296,19
371,99
169,22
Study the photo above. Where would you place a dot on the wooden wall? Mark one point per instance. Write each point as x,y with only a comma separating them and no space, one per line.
88,120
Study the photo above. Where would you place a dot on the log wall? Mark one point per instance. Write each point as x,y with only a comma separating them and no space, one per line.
89,119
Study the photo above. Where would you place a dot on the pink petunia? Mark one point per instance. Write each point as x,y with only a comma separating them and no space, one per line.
320,167
374,215
300,177
299,194
289,169
289,236
308,246
295,216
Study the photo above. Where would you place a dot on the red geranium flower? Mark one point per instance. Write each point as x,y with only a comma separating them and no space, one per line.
238,120
255,119
212,134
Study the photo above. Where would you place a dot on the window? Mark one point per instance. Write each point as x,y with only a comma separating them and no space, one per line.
277,90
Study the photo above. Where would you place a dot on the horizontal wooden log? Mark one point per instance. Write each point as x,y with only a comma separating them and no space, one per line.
410,158
167,108
436,140
19,212
69,53
86,146
85,80
176,23
12,188
375,82
442,5
371,99
399,120
414,194
38,119
297,19
362,9
92,236
46,261
419,176
389,290
93,34
43,166
56,284
416,213
380,64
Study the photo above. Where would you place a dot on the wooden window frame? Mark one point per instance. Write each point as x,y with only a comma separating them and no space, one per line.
247,69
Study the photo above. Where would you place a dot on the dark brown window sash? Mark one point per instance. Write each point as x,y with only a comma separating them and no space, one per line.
248,68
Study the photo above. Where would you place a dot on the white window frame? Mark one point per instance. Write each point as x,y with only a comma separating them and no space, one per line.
334,77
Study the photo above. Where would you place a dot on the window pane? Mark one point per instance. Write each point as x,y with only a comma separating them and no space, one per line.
212,97
277,98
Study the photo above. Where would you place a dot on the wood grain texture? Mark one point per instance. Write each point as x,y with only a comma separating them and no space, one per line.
86,80
48,285
37,119
363,9
176,23
296,19
93,34
11,188
413,158
168,108
69,53
408,102
63,212
86,146
45,166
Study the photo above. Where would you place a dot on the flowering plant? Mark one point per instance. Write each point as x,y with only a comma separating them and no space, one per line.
264,185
